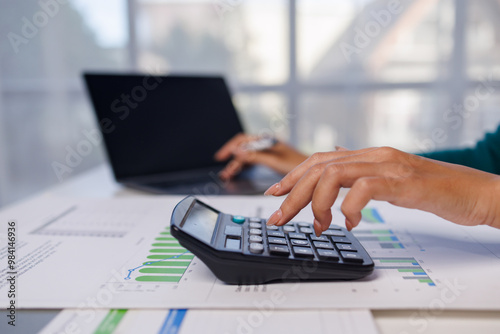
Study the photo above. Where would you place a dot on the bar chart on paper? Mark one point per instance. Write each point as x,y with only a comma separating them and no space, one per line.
167,261
140,264
407,269
393,253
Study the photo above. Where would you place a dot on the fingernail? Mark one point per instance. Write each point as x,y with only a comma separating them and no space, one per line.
348,225
317,228
272,189
275,217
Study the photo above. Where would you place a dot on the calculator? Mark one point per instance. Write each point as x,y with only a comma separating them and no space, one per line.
244,250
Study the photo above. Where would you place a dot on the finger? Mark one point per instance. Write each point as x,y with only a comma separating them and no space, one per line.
340,148
300,195
244,157
231,169
227,150
267,158
289,181
365,189
335,176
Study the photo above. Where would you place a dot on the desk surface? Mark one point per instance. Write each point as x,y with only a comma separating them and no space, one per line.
99,183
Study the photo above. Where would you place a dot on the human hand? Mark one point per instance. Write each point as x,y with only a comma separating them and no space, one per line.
280,157
460,194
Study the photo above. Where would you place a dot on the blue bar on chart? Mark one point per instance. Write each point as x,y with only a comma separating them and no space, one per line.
371,215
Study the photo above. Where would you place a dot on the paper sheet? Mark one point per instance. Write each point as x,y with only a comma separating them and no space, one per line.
213,322
92,253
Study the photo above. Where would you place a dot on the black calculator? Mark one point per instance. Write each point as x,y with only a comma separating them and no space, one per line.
243,250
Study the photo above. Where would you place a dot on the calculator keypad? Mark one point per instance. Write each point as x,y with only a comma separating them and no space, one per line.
298,240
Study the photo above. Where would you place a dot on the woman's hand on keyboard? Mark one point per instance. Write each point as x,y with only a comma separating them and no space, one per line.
280,157
460,194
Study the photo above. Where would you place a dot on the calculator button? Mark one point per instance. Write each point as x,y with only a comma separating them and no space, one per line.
255,238
233,244
304,224
254,220
272,228
341,240
255,231
303,252
346,247
334,233
327,254
256,248
324,245
320,238
234,231
279,250
255,225
306,230
299,242
297,236
278,234
289,228
351,257
238,219
273,240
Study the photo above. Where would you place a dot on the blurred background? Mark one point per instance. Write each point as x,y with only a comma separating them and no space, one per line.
416,75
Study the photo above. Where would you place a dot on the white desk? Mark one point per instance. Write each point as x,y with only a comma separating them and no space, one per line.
99,183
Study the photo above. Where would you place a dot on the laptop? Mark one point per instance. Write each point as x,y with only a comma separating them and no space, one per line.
161,133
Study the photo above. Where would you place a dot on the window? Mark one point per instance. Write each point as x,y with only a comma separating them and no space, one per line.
316,73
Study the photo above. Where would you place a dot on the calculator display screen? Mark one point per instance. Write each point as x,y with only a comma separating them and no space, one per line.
200,222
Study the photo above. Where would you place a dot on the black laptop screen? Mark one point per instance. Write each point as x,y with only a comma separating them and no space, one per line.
159,124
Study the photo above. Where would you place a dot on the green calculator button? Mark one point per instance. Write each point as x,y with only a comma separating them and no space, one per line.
238,219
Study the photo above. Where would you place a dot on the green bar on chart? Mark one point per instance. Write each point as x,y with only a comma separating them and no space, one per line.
425,280
416,270
180,257
174,279
168,263
396,260
110,322
165,250
162,270
166,244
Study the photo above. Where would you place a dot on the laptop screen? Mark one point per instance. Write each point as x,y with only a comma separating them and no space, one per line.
160,124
